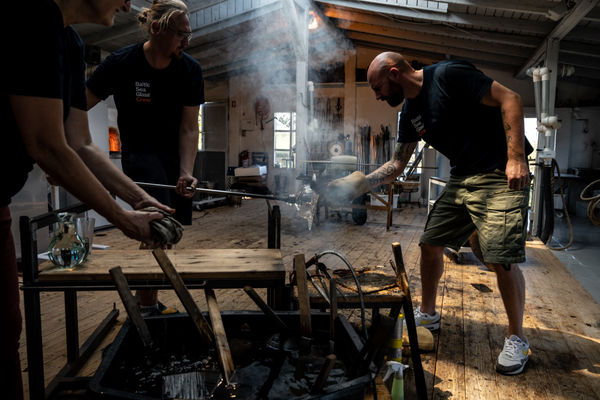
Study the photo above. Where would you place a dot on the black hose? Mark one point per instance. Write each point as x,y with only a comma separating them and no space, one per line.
565,210
593,210
548,201
358,287
539,215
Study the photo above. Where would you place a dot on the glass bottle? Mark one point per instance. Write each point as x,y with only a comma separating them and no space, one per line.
306,204
66,248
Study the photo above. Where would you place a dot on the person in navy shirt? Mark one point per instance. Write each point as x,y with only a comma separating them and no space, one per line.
44,116
477,123
157,90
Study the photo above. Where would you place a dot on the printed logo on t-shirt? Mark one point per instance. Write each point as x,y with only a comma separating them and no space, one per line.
419,125
142,92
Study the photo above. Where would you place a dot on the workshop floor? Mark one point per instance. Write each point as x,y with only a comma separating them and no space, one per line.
582,258
562,320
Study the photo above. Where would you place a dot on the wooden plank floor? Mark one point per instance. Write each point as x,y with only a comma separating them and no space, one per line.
562,321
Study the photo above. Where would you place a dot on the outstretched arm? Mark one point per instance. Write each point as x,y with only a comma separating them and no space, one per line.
391,169
355,184
511,108
44,139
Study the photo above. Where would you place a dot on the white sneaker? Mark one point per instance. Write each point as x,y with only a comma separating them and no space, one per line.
431,322
513,357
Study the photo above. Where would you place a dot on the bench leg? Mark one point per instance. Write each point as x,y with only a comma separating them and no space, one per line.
414,350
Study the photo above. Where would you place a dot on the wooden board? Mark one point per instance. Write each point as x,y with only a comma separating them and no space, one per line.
191,264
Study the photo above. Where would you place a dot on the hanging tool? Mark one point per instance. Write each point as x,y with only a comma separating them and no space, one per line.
338,111
289,199
418,158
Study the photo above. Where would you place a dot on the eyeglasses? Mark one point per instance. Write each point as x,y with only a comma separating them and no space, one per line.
183,35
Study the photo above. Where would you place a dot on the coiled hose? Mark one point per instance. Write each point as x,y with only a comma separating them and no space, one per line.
548,201
593,210
358,287
566,212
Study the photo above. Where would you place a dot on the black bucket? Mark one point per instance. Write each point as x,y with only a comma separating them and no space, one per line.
129,371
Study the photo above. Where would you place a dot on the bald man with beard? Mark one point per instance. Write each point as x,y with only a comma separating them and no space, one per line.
477,123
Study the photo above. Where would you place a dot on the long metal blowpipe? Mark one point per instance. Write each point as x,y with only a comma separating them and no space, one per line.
290,199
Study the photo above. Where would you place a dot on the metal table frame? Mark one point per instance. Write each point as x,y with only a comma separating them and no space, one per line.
78,356
396,303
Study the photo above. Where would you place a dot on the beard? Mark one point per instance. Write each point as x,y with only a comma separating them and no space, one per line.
397,94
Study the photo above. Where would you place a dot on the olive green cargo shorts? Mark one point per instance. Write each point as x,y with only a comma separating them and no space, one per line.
483,202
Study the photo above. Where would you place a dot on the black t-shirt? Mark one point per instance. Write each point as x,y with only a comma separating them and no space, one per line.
149,101
448,115
42,59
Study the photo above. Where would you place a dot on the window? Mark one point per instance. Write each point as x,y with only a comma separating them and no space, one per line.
200,129
285,139
531,133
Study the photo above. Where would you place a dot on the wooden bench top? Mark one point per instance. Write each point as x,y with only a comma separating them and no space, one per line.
252,264
352,300
378,290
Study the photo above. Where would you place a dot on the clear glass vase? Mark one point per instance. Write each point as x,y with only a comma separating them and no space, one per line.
66,248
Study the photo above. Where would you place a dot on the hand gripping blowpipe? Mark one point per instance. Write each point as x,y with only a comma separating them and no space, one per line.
289,199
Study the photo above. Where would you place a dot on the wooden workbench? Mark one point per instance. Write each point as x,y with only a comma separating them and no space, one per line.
215,265
562,321
210,268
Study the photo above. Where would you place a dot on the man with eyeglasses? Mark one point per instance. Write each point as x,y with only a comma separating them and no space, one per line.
157,90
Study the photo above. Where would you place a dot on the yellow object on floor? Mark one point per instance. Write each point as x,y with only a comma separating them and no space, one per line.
424,337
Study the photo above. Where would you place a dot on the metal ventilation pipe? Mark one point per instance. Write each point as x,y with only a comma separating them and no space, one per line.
547,126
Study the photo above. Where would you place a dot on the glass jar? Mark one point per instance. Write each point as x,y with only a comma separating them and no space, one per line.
66,248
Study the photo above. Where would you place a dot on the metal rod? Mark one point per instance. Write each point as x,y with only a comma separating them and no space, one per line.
215,191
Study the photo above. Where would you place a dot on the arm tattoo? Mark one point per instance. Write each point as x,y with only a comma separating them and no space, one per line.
402,154
507,126
379,176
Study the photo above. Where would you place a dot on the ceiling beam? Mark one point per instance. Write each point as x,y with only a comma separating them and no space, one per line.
584,72
517,6
298,29
112,34
204,23
566,24
426,57
584,34
580,49
442,51
442,30
236,49
444,41
581,61
424,5
491,22
280,58
243,37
